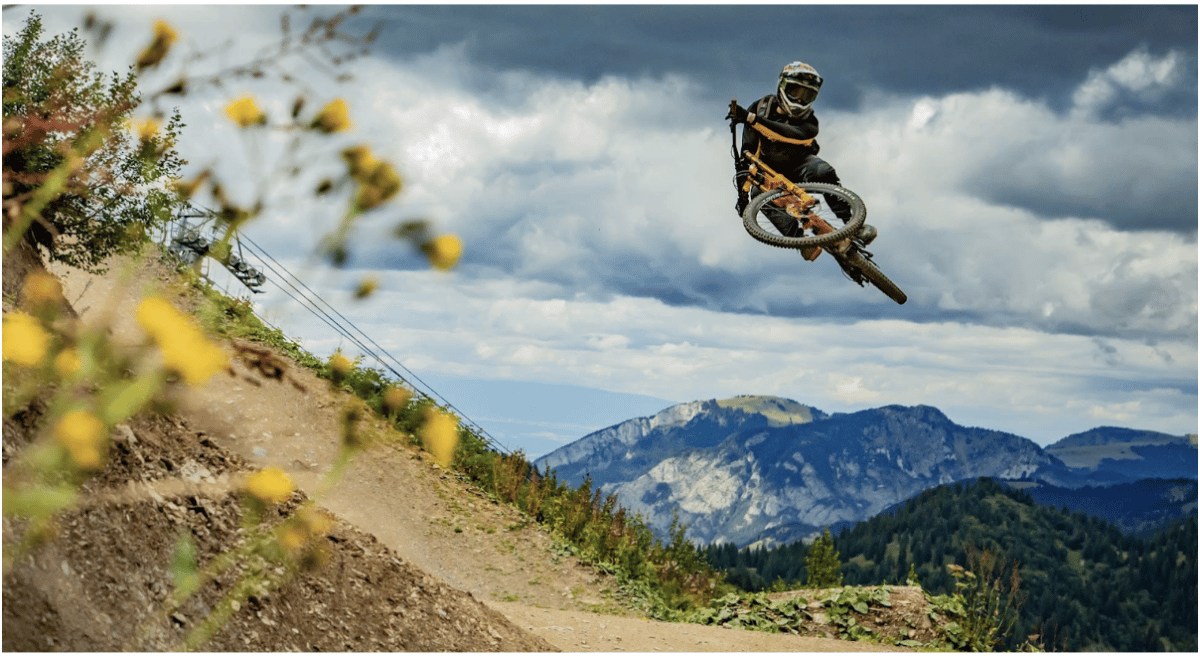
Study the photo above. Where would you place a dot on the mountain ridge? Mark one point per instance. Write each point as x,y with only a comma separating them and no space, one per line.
736,469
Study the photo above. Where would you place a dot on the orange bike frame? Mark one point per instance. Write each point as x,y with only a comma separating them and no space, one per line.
796,204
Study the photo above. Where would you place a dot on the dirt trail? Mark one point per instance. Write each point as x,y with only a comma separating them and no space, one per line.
421,512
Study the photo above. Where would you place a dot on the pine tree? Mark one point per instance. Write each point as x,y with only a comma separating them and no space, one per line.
823,563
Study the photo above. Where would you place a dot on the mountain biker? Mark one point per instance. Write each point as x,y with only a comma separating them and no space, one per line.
781,128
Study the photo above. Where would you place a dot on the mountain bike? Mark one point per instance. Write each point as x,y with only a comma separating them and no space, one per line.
788,215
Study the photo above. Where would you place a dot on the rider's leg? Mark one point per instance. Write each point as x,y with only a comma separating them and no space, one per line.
815,169
785,223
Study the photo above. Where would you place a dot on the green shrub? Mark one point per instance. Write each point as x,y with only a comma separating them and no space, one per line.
88,190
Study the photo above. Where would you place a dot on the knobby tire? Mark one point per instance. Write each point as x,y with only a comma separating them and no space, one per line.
877,277
858,215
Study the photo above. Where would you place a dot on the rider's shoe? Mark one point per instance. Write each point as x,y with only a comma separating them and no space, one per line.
867,234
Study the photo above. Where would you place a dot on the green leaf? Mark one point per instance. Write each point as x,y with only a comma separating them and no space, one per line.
183,566
38,501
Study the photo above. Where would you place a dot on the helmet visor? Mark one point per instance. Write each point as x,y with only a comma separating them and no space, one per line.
801,93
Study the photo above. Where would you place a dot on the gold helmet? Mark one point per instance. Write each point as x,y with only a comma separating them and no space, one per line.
799,85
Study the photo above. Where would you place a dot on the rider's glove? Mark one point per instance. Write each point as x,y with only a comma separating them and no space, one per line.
737,114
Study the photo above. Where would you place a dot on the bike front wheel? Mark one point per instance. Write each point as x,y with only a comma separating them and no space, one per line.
771,224
877,277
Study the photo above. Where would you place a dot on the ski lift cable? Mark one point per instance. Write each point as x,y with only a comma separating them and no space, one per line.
345,332
315,311
302,299
411,375
263,256
308,304
312,307
432,393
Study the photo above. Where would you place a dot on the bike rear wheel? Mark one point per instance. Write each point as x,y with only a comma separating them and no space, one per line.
877,277
772,225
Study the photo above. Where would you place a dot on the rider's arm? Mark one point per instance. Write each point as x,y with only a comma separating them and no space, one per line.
806,130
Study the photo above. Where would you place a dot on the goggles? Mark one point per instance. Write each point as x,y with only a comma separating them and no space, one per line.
802,92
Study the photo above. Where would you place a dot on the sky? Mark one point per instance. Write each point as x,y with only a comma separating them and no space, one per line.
1032,172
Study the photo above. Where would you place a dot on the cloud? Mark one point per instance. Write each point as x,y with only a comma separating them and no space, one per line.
601,249
1013,214
1049,253
993,208
1020,380
1139,76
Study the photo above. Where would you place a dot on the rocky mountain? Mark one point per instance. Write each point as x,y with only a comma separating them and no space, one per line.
737,468
1108,455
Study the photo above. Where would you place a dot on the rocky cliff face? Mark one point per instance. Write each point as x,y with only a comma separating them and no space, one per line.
737,468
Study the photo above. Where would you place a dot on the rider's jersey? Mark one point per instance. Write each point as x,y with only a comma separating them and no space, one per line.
782,141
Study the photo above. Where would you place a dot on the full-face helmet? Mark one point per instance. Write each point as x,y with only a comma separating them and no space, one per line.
799,85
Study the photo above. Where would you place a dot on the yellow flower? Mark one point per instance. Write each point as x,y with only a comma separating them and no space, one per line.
147,129
25,342
187,189
164,36
301,537
440,435
377,186
245,112
395,398
292,537
164,32
359,160
67,363
184,347
42,289
444,251
340,364
270,486
377,180
80,433
366,287
316,522
333,118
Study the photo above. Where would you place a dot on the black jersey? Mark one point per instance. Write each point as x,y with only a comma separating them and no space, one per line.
783,142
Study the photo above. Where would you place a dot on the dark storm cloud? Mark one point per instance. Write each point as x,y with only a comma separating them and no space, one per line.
1039,51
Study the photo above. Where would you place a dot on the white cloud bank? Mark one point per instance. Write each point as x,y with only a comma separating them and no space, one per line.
582,205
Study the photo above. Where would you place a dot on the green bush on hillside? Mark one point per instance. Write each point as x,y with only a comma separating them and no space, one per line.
87,187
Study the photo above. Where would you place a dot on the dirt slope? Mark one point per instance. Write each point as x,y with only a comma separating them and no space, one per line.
421,560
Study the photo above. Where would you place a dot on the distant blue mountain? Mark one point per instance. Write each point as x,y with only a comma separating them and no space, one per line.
736,468
1109,455
756,468
1140,508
